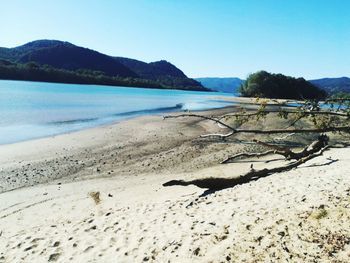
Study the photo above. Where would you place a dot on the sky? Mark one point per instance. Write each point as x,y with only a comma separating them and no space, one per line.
204,38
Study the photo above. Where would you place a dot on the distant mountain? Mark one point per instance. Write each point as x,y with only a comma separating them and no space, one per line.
333,85
229,85
151,70
66,56
162,71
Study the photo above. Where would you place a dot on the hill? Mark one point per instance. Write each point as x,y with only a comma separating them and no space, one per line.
151,70
230,85
65,56
161,71
333,85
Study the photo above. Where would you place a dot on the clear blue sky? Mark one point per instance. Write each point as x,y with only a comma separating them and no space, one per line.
309,38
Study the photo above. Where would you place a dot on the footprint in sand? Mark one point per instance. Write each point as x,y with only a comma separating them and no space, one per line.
54,257
88,249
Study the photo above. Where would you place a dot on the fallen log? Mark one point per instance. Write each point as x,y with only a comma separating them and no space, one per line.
222,183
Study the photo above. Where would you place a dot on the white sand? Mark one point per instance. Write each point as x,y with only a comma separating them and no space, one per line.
297,216
269,220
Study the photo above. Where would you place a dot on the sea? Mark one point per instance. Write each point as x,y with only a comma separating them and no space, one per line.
30,110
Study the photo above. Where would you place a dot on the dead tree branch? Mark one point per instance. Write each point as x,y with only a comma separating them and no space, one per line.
201,117
285,111
315,130
215,184
258,131
287,153
247,155
323,120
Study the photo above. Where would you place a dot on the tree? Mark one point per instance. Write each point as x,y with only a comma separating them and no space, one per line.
32,65
267,85
322,119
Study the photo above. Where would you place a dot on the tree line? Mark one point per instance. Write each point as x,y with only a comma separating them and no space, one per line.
34,72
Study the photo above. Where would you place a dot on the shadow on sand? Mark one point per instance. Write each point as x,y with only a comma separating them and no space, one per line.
213,184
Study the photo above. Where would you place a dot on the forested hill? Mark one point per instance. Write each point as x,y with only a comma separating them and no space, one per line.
151,70
54,57
333,85
161,71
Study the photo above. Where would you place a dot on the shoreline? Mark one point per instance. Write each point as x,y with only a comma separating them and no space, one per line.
107,85
113,122
97,194
22,124
235,100
22,163
58,157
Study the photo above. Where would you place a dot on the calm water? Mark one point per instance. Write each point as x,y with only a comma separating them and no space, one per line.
31,110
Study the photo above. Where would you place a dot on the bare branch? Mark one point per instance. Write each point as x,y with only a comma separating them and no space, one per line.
217,135
256,131
247,155
284,151
201,117
272,146
268,111
236,115
316,130
215,184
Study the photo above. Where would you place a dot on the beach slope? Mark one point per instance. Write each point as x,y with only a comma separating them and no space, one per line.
100,199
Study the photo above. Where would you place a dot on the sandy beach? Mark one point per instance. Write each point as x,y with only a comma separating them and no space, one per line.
175,131
96,196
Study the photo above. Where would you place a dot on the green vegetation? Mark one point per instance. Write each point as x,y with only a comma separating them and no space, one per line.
58,61
35,72
278,86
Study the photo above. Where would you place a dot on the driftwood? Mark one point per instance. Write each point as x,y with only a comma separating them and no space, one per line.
284,151
286,111
338,121
233,130
215,184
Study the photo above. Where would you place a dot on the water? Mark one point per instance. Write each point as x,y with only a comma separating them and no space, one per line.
31,110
